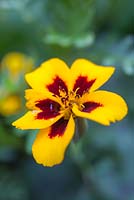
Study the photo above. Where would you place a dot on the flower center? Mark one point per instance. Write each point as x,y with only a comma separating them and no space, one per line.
68,100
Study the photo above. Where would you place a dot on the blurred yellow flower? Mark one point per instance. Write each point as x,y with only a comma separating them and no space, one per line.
13,67
58,96
10,105
17,63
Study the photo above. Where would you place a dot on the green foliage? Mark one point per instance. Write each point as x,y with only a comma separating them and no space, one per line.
14,184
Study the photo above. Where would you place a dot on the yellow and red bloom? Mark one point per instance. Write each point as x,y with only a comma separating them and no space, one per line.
58,96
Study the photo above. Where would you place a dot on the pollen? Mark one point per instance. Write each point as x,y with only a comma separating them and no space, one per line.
68,100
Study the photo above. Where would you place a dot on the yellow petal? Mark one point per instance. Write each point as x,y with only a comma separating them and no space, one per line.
32,96
112,107
51,75
95,75
29,121
49,151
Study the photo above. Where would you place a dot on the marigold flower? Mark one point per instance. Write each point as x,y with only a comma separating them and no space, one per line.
17,63
58,96
10,105
12,67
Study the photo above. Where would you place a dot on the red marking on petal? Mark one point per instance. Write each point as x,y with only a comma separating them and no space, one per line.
90,106
58,84
82,84
49,109
58,128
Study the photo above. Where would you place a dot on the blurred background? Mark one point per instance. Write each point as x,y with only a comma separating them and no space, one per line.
100,166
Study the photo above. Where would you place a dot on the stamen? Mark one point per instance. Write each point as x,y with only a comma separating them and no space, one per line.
67,102
82,106
62,92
